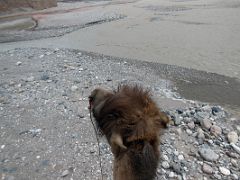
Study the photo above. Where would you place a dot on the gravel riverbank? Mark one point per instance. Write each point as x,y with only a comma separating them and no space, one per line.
46,132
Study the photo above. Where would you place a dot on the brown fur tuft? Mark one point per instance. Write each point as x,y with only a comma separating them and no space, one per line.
132,122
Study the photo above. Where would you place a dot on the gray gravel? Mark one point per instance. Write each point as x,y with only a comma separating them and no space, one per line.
55,30
46,132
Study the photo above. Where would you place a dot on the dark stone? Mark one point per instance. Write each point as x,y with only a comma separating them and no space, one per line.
216,110
179,111
44,77
178,168
45,163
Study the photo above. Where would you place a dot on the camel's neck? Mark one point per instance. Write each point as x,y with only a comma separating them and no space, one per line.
135,165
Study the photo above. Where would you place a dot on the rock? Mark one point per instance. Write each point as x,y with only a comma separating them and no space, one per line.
179,177
165,165
2,146
202,115
34,132
224,171
207,108
165,157
65,173
216,130
207,169
191,125
234,177
175,152
236,148
216,109
217,176
41,56
234,163
171,174
188,120
18,63
232,137
238,129
30,79
206,124
180,157
44,77
232,154
188,131
200,134
177,120
178,132
80,116
208,154
169,150
74,88
179,111
177,167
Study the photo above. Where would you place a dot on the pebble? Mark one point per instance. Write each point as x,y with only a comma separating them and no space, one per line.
30,79
165,165
178,131
216,109
171,174
234,176
208,154
74,88
180,157
238,129
178,120
202,115
236,148
234,163
169,150
206,124
232,154
177,167
191,125
217,176
44,77
224,171
165,157
2,146
200,134
207,169
232,137
188,131
18,63
41,56
216,130
65,173
175,152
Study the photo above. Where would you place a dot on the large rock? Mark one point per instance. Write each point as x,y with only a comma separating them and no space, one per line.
208,154
35,4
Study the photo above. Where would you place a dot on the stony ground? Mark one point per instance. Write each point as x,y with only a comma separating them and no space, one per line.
46,132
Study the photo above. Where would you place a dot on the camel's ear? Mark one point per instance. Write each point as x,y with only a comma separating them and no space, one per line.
116,139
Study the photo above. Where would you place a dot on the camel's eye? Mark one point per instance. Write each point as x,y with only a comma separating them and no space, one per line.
90,98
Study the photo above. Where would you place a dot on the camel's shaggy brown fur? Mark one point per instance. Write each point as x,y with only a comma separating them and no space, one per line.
132,123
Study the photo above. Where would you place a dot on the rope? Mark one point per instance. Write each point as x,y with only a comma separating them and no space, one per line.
96,134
